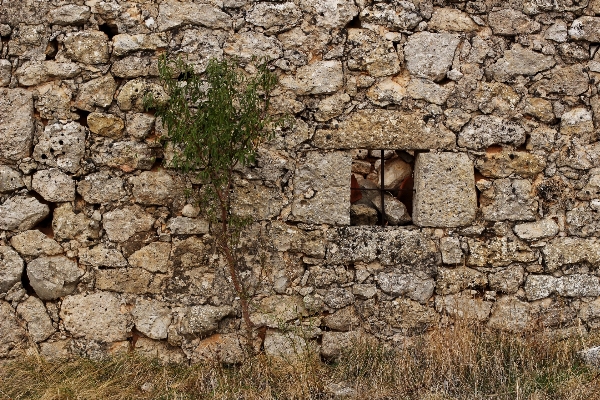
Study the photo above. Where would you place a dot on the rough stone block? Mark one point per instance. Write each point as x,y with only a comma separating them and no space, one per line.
16,124
10,179
509,200
22,213
430,55
11,268
34,243
54,185
12,334
445,193
88,47
61,146
39,325
53,277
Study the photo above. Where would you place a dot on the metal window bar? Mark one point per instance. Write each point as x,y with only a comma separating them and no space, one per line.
381,190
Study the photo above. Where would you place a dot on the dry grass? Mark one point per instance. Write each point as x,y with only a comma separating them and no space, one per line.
446,364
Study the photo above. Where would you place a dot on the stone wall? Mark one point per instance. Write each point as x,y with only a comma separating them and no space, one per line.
487,111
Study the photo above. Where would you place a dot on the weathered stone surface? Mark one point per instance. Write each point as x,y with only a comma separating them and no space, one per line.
409,317
511,22
334,343
105,124
123,44
56,351
159,350
88,47
424,89
388,129
227,348
202,320
331,14
153,258
102,257
372,53
451,250
10,179
54,185
134,66
16,124
405,249
505,164
273,311
5,72
153,188
388,91
274,17
53,277
590,313
408,285
338,298
320,77
129,280
247,45
344,320
450,281
22,213
510,314
498,252
69,14
578,123
11,268
139,125
571,80
399,16
464,307
172,14
12,334
394,210
33,73
361,214
97,316
39,325
319,185
122,223
252,199
285,345
290,238
152,318
61,146
444,190
577,285
568,250
509,200
54,101
539,108
507,280
583,222
131,95
585,28
126,155
520,61
430,55
544,228
97,92
101,187
28,41
188,226
67,225
451,19
486,130
34,243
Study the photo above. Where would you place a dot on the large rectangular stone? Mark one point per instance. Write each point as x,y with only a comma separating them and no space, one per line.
16,124
386,129
445,194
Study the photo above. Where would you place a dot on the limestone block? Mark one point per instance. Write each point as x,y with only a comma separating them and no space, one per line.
410,317
16,124
61,146
28,42
139,125
97,92
122,223
102,257
571,80
10,179
33,73
590,313
507,163
507,280
135,66
335,343
585,28
274,17
56,351
454,280
576,285
361,214
557,32
463,307
581,221
131,95
394,210
511,22
372,53
202,320
273,311
511,314
126,155
152,318
444,190
11,268
250,44
12,334
54,185
387,129
578,123
430,55
321,183
200,45
409,285
153,188
541,229
101,188
320,77
499,252
343,320
290,238
39,324
286,345
486,130
34,244
68,225
331,14
424,89
451,250
332,106
54,101
5,72
172,14
88,47
105,124
229,348
22,213
53,276
70,14
129,280
153,258
364,291
509,200
159,350
539,108
97,316
388,91
188,226
400,16
125,43
520,61
338,298
451,19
